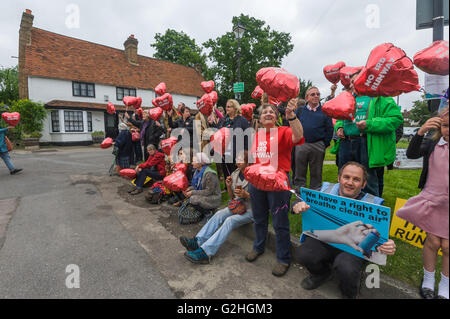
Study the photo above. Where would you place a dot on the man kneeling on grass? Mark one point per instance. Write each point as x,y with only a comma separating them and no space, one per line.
208,241
318,257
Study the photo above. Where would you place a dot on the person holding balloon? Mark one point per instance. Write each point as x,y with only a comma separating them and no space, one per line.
272,147
4,153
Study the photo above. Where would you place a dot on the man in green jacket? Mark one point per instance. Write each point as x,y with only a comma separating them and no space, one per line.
370,138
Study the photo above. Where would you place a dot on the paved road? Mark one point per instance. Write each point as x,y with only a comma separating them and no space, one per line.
48,223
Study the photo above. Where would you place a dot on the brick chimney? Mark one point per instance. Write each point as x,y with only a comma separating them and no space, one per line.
131,45
24,41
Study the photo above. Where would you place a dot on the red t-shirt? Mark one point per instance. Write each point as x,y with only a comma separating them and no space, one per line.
278,151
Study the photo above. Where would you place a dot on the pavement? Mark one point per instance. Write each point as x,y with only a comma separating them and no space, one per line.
125,247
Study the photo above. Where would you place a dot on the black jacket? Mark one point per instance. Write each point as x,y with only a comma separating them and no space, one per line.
188,125
238,122
418,147
152,133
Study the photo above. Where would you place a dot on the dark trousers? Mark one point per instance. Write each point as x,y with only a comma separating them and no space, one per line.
141,177
137,152
355,150
309,155
278,204
320,258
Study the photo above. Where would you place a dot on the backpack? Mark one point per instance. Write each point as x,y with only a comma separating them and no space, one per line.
187,214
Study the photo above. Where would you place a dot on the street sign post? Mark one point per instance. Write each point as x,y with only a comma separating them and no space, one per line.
425,16
238,87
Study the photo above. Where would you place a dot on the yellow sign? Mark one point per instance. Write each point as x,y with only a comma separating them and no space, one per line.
406,231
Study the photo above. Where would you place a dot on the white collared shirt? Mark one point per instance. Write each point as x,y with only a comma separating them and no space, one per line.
312,109
442,141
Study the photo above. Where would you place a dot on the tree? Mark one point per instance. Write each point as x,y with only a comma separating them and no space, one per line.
260,47
32,115
9,85
178,47
304,86
420,112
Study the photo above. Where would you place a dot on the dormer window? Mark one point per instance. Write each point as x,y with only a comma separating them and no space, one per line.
83,89
121,92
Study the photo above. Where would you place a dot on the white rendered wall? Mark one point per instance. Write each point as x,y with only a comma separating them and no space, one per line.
44,90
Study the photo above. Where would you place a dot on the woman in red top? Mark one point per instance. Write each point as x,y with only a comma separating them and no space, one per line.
154,167
273,145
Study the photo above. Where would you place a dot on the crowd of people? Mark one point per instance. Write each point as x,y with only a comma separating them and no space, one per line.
364,147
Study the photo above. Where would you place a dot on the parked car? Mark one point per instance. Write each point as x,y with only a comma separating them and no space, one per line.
409,132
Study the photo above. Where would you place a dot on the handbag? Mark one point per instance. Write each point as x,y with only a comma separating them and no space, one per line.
8,143
237,206
187,214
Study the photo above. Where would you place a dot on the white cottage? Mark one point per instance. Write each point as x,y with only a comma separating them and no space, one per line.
76,79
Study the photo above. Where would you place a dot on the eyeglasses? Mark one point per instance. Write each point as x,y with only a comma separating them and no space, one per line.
314,94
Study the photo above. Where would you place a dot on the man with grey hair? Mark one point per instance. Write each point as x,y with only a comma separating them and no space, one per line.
318,132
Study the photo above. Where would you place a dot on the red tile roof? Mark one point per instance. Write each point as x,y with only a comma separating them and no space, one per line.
57,56
87,105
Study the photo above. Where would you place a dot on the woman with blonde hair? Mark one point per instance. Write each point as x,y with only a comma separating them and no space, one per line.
232,120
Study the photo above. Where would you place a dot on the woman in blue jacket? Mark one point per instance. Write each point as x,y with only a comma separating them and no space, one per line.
4,154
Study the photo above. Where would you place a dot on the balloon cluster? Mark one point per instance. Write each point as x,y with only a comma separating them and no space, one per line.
206,103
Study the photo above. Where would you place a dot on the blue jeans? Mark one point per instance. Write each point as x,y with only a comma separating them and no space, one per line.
5,157
217,229
277,204
355,150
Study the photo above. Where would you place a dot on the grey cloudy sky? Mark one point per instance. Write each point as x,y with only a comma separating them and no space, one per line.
323,31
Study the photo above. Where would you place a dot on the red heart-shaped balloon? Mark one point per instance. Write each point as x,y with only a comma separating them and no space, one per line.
388,72
160,89
247,111
128,173
11,118
181,167
207,86
346,74
257,93
130,100
205,105
342,107
332,73
107,143
168,144
176,182
138,103
267,178
155,113
165,102
110,108
140,113
135,136
214,97
220,140
434,59
274,101
277,82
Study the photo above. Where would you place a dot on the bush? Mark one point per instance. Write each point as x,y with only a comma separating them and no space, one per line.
32,116
98,133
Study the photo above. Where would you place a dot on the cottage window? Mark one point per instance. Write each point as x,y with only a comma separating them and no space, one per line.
121,92
73,121
83,89
55,121
89,121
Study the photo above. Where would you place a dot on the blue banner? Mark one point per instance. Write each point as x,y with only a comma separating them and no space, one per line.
351,225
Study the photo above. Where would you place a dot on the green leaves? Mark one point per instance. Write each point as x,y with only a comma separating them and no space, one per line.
9,85
420,112
179,48
32,115
260,47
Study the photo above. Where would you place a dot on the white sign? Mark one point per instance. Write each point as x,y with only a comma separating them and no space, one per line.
402,162
435,85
